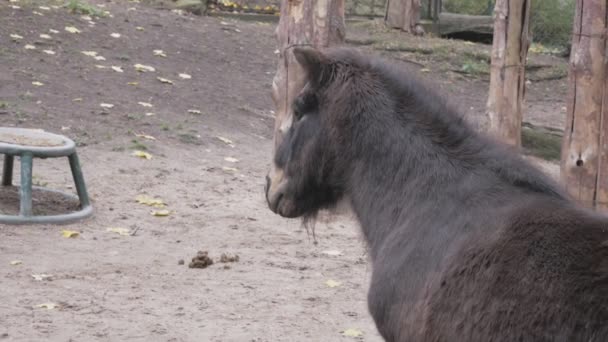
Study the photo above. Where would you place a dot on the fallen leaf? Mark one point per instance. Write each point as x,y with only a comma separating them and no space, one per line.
231,160
49,52
139,28
226,141
332,283
185,76
352,333
89,53
78,99
164,80
72,29
115,35
106,105
150,114
160,212
142,154
133,83
69,233
16,262
16,36
145,104
37,84
86,18
159,53
53,31
29,47
145,136
229,169
45,36
101,66
194,111
48,306
15,7
150,201
119,231
144,68
100,58
41,277
332,253
44,8
425,70
117,68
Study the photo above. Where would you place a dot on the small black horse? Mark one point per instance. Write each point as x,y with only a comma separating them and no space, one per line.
467,240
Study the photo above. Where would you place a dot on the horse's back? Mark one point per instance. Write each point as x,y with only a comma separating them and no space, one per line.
545,278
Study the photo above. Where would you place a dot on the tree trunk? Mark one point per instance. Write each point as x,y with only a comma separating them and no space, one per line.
317,23
584,163
402,14
507,75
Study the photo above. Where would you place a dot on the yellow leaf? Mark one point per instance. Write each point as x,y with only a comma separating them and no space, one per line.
99,58
48,306
231,160
72,29
185,76
133,83
29,47
144,68
139,28
425,70
150,114
69,233
89,53
49,52
106,105
44,8
116,68
78,99
229,169
115,35
147,200
16,262
53,31
145,136
159,53
119,231
16,36
226,141
45,36
194,111
142,154
332,253
352,333
37,84
41,277
163,212
164,80
145,104
333,283
101,66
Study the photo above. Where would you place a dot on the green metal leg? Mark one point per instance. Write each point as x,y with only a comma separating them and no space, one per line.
7,171
26,184
79,180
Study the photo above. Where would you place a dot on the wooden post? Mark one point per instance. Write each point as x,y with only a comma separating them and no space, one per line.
507,73
317,23
584,164
403,14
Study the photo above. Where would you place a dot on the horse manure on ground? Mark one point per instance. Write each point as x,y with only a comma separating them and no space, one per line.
227,257
201,260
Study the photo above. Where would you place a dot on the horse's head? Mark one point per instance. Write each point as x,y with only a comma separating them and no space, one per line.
305,173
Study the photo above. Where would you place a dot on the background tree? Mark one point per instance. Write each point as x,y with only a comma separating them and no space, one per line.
507,74
404,15
584,160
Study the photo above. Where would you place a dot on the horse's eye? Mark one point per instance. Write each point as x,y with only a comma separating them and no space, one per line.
304,104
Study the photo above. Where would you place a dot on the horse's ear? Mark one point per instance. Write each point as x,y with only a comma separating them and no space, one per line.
311,60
